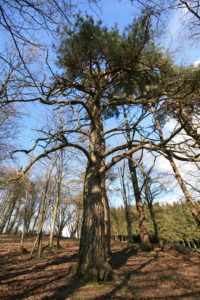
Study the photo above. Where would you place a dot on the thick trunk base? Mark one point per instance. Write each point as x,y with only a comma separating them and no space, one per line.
144,240
91,272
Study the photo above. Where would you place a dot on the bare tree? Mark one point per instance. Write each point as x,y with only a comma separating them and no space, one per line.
59,178
162,9
168,154
38,241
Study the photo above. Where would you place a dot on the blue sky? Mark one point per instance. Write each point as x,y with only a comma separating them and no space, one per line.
184,50
120,12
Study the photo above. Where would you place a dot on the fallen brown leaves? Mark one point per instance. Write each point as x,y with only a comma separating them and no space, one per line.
168,274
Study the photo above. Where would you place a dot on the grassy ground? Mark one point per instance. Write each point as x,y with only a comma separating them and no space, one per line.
168,274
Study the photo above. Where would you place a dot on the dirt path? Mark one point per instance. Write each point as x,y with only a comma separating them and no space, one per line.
138,275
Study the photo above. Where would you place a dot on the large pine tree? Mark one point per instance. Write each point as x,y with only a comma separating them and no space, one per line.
103,69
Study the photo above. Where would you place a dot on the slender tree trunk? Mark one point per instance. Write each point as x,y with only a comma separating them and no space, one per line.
59,234
17,225
106,215
24,228
35,243
58,238
155,225
38,241
186,121
105,200
53,222
75,226
126,206
41,222
11,224
144,235
35,220
8,215
55,212
192,205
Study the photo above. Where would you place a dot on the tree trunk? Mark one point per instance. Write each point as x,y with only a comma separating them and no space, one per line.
24,228
126,206
92,254
155,225
106,214
144,235
55,212
192,205
16,229
11,224
38,241
59,233
35,220
105,199
8,215
93,263
75,226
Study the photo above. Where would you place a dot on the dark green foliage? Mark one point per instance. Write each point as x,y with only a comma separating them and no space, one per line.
175,222
118,222
111,67
131,61
89,43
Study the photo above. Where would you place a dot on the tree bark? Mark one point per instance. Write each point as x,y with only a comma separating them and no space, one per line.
38,241
93,263
11,224
75,226
35,220
59,233
106,214
8,214
92,254
105,198
144,235
192,205
24,228
155,225
126,206
19,221
59,181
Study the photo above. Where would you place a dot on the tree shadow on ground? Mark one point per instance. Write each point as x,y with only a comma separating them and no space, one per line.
125,281
38,268
30,291
120,258
69,288
117,260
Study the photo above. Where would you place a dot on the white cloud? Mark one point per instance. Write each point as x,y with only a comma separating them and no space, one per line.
189,171
196,63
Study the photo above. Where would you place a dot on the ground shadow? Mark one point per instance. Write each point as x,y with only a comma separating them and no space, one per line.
120,258
38,268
